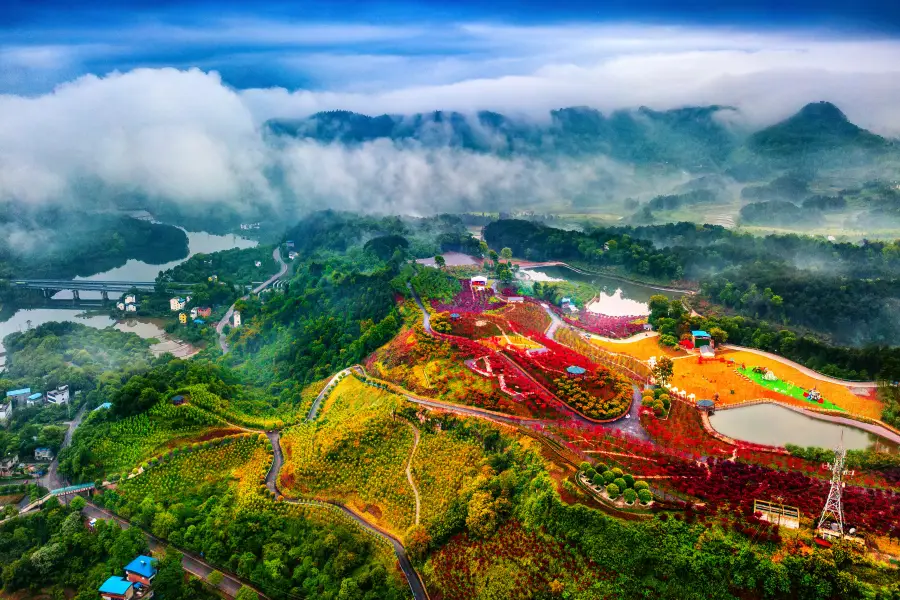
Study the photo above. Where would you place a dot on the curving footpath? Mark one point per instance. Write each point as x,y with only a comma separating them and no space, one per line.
412,576
220,326
409,476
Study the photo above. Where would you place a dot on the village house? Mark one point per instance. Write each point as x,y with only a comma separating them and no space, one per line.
479,282
182,318
9,465
35,398
292,255
131,308
204,311
194,312
43,454
236,319
120,305
58,396
6,411
179,302
18,395
130,299
136,584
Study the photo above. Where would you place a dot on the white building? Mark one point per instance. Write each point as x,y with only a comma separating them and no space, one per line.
257,263
131,308
194,313
6,411
58,396
8,465
515,299
43,454
35,398
236,319
479,282
130,299
177,304
120,305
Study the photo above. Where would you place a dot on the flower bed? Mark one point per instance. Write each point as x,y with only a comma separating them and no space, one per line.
469,300
607,326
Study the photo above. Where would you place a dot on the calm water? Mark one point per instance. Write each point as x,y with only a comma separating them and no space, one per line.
614,297
133,270
775,425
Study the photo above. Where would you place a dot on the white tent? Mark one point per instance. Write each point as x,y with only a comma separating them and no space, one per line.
770,376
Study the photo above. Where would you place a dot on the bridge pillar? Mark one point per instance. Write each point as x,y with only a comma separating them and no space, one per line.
105,295
75,295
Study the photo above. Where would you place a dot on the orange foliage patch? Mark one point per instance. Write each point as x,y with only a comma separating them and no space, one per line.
642,349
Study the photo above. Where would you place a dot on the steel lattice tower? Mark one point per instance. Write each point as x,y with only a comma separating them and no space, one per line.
833,506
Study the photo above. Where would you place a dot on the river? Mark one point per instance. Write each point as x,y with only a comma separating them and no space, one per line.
614,298
774,425
133,270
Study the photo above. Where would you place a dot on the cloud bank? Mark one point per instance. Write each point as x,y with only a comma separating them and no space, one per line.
183,134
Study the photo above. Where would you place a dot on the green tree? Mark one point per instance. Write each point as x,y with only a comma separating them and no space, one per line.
169,580
608,476
506,253
246,593
482,518
641,485
215,578
663,370
719,335
630,496
440,261
78,503
613,490
645,496
493,256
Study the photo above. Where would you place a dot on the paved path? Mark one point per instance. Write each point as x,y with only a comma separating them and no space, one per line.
805,370
192,563
53,480
409,476
220,326
314,409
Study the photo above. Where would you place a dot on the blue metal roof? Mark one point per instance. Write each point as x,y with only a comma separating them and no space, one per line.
142,565
574,370
699,333
115,585
104,405
705,403
199,321
21,392
35,396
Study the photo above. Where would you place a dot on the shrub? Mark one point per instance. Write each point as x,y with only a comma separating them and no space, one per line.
598,479
608,476
645,496
641,485
619,472
600,468
620,483
215,578
585,465
630,496
629,480
613,490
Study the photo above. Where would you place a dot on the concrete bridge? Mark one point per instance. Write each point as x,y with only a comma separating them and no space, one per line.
50,286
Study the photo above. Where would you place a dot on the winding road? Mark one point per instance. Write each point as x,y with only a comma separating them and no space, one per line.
53,480
409,476
220,326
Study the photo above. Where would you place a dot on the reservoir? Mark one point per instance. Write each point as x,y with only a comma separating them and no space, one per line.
775,425
614,297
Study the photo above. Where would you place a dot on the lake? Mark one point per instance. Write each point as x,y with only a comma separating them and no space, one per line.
614,298
133,270
775,425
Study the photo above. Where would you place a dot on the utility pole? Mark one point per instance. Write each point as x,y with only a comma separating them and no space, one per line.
833,505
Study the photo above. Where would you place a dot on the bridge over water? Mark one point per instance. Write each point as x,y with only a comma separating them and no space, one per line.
50,286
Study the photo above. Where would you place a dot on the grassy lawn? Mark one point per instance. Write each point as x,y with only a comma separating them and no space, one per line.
788,389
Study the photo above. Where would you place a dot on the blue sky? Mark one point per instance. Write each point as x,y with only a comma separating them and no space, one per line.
344,44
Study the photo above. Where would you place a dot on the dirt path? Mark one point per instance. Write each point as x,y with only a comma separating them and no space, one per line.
409,476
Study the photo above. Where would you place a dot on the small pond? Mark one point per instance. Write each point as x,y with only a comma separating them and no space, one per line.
775,425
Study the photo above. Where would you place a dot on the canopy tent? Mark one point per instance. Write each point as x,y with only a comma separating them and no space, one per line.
770,376
575,370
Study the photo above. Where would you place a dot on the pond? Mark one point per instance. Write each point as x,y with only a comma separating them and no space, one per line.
614,298
774,425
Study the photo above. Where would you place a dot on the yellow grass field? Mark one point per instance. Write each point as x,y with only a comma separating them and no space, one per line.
711,377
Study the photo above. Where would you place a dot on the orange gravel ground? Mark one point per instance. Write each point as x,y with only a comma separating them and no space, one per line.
711,377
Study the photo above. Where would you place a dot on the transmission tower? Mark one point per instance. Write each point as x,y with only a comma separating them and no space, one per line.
833,506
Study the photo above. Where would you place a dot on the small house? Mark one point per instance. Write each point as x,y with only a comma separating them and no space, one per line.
58,396
141,570
257,263
516,299
35,398
130,299
236,319
194,312
290,245
478,282
43,454
204,311
117,588
182,318
198,321
292,255
131,308
176,304
700,338
706,405
120,305
6,411
178,400
9,465
104,406
18,395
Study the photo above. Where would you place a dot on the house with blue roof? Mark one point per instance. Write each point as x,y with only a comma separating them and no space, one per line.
141,570
116,588
43,454
18,395
35,398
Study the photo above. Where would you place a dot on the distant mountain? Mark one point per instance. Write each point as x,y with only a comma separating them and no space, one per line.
686,138
694,139
818,127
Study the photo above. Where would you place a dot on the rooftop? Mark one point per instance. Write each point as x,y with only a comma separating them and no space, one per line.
115,585
575,370
35,396
104,405
700,333
705,403
142,565
18,392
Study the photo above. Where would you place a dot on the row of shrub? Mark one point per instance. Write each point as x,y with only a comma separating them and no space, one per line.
656,400
617,483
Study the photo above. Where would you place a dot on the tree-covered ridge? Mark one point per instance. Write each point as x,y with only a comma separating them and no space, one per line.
235,266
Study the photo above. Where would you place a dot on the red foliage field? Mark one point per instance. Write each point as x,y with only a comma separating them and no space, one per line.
468,300
607,326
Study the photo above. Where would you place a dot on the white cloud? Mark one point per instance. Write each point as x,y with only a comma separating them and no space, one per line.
184,135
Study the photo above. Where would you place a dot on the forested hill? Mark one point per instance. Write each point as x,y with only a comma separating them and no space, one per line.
695,138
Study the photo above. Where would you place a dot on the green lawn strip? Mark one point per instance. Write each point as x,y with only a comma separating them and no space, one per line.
782,387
